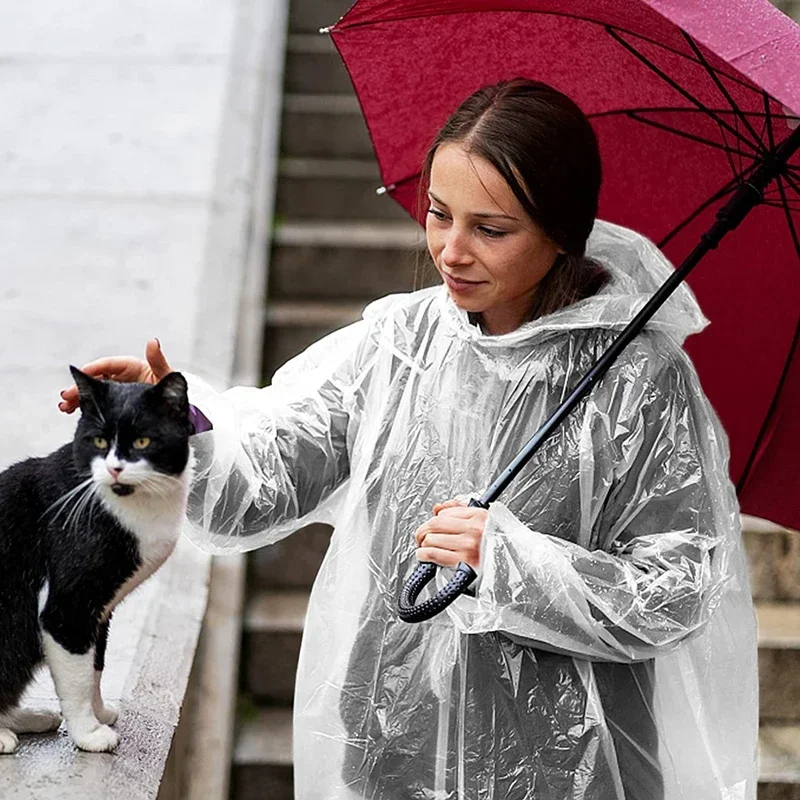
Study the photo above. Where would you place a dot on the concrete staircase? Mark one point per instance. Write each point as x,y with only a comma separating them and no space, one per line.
336,246
774,557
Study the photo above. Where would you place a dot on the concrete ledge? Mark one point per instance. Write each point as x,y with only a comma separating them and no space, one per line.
187,189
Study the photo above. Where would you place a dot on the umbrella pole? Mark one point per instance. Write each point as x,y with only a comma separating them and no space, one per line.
749,194
729,217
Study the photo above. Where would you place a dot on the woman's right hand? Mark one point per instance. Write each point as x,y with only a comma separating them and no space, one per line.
125,369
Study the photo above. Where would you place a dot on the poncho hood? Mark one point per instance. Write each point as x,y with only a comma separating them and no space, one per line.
637,268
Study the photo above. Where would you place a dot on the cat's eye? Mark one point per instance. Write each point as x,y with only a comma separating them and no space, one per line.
141,443
100,443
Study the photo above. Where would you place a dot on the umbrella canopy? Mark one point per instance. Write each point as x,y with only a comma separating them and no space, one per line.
687,101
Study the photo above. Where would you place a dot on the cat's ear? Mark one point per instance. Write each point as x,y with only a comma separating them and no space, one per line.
172,394
91,392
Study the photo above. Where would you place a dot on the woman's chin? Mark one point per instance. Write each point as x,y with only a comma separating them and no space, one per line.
465,303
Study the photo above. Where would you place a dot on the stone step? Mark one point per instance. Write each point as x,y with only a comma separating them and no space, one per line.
343,189
274,624
313,66
291,326
348,260
779,762
308,16
779,661
292,563
273,627
774,557
324,126
262,759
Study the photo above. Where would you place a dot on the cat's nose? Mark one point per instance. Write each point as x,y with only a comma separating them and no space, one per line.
115,472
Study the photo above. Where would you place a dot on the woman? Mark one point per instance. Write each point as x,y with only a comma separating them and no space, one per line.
612,622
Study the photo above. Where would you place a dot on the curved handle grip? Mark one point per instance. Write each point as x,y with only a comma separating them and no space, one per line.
422,576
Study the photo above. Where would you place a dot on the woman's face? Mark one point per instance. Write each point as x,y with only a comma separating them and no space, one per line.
489,252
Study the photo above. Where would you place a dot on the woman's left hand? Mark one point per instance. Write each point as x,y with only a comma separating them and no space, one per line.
452,535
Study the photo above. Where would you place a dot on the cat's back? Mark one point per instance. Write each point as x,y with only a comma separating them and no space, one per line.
27,490
38,480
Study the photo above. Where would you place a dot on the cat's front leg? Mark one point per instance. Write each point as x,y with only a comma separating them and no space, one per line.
68,641
104,712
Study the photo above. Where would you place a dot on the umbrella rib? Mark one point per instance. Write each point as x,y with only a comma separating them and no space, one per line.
786,366
693,137
685,110
768,122
726,189
678,88
779,204
791,183
725,93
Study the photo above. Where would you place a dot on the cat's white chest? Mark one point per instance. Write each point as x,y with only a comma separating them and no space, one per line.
156,532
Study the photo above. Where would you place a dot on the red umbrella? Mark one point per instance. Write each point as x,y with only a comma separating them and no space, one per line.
689,102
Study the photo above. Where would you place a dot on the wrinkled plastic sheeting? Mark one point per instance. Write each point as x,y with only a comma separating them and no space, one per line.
610,650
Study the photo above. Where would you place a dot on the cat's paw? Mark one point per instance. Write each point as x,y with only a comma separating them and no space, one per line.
100,740
107,714
8,741
40,721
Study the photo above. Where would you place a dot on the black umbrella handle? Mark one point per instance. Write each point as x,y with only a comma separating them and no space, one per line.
422,576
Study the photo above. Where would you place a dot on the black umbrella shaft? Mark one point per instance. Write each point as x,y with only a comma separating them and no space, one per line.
744,199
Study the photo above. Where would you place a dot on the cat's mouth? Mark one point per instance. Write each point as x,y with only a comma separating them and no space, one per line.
122,489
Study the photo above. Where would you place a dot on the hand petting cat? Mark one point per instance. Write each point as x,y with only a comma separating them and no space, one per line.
125,369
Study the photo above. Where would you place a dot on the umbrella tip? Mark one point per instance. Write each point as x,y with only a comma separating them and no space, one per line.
326,30
385,189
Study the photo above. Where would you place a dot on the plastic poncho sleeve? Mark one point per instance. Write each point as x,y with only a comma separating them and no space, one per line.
647,500
276,455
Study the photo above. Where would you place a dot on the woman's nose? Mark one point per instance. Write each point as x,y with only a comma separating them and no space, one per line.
456,250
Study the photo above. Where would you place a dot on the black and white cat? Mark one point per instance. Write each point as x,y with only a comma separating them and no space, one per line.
79,530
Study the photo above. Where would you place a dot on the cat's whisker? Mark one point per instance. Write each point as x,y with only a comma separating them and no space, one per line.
64,499
152,485
86,497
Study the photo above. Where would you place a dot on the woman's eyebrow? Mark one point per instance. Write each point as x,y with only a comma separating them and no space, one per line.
479,214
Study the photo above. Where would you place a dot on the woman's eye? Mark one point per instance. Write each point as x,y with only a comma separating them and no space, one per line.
141,443
440,215
492,233
100,443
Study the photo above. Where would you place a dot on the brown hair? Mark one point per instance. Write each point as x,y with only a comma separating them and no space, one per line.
545,149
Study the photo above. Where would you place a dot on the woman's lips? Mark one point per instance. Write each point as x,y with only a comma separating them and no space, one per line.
458,284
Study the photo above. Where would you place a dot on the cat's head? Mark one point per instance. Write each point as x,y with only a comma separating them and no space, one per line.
132,437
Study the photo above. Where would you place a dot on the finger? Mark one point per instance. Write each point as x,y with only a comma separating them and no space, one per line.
70,396
442,558
447,504
118,368
156,359
444,541
441,524
67,407
459,512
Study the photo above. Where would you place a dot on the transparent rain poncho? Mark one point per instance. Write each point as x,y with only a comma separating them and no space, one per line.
610,650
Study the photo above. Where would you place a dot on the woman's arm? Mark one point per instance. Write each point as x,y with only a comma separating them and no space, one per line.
276,455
